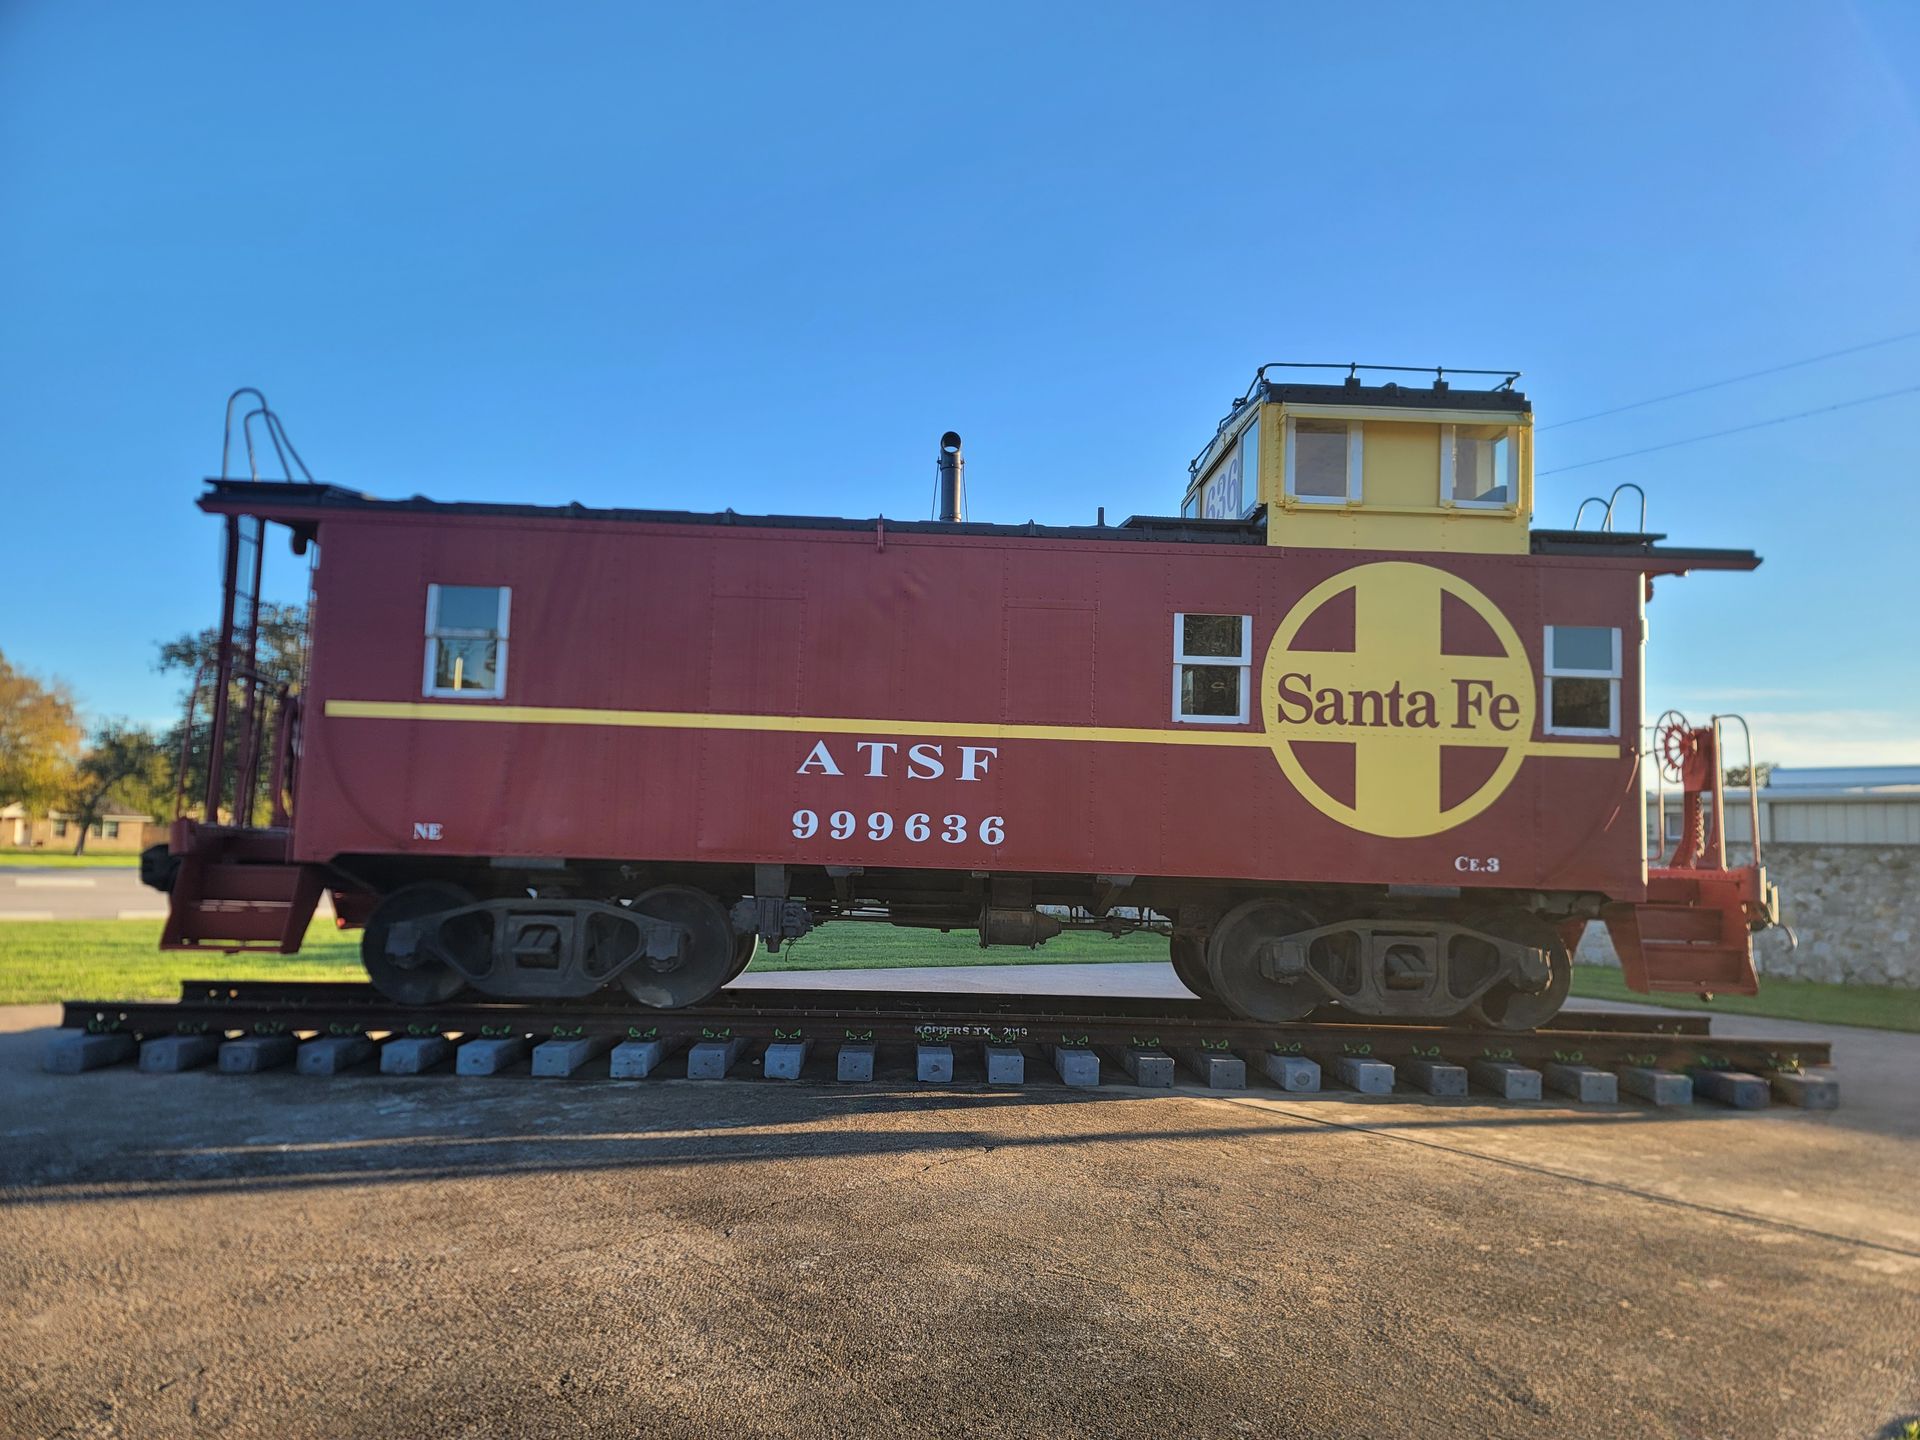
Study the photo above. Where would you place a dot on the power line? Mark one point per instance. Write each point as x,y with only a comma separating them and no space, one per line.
1733,380
1736,430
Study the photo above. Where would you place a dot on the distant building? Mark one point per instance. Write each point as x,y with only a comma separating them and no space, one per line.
1811,805
1843,844
1872,778
52,830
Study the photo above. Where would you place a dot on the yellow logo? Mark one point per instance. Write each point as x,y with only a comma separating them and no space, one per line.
1398,699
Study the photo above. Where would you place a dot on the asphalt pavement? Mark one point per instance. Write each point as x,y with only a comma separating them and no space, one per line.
50,893
278,1255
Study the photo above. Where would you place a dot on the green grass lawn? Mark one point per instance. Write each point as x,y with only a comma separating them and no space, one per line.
65,859
1882,1007
43,961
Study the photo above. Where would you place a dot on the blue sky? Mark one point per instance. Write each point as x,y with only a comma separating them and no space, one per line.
761,256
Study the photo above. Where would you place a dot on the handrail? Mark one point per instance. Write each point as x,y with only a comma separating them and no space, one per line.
1614,498
1581,513
286,755
1658,850
1753,779
186,743
276,433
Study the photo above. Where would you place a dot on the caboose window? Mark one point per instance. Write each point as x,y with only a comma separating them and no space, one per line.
1212,667
467,641
1323,461
1583,680
1478,466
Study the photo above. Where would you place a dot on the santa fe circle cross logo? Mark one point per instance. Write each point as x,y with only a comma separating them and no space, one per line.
1397,699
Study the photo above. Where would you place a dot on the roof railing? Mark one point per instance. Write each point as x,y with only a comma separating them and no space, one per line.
1352,380
276,435
1354,367
1607,505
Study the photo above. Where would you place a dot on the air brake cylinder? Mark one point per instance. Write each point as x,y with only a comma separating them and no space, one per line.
1016,925
951,503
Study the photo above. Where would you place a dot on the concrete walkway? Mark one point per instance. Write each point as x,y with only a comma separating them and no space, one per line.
1153,979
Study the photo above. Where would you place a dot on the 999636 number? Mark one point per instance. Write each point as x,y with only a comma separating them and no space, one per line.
919,827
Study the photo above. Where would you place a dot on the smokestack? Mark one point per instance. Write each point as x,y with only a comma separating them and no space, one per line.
951,501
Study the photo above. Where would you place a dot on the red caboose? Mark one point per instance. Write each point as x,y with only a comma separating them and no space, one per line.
1348,729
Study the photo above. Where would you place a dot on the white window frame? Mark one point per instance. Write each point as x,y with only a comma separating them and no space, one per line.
1244,663
1249,468
1448,461
435,634
1550,672
1356,461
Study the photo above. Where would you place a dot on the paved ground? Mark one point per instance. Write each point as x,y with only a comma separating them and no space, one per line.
109,893
277,1256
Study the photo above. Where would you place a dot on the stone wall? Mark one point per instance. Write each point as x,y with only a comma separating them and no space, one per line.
1854,908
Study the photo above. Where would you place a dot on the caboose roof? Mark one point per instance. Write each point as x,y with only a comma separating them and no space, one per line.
280,500
303,505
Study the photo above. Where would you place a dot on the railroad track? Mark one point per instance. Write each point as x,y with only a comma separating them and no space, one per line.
1593,1057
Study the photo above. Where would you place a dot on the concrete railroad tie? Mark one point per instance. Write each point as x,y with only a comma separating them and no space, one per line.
1809,1092
635,1059
1077,1067
490,1054
1508,1080
330,1054
1148,1068
169,1054
1295,1073
855,1065
1661,1087
1369,1077
712,1059
71,1051
252,1053
559,1058
1006,1065
1218,1069
1584,1083
413,1054
785,1059
1732,1087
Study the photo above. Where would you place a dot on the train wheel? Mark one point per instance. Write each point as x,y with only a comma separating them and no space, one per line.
1505,1008
705,962
745,947
1234,957
1189,956
419,978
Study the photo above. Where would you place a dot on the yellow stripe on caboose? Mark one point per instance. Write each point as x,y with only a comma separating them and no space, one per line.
472,713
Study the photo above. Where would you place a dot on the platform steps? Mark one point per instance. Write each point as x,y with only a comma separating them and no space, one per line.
236,891
1686,937
1344,1076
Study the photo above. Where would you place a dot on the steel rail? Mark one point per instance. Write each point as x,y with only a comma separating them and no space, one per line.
1599,1039
770,998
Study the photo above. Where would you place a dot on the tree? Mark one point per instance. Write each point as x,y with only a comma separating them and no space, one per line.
1737,775
124,764
39,738
281,662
